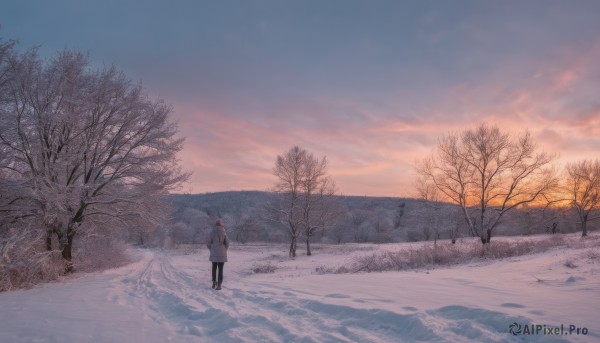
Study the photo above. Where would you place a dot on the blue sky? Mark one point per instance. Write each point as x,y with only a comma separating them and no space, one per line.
369,84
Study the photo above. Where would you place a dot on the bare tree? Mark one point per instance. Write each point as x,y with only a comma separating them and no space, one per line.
86,145
488,172
289,172
582,189
319,206
305,195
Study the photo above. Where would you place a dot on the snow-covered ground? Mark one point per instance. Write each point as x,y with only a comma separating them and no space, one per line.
166,296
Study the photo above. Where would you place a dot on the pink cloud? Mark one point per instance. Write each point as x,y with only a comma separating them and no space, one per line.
372,148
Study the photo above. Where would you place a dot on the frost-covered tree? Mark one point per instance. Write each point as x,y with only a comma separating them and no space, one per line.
318,203
84,146
488,173
286,209
305,195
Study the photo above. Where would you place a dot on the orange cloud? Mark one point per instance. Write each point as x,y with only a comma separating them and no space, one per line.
372,148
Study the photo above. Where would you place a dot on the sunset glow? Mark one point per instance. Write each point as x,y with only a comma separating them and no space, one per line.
370,85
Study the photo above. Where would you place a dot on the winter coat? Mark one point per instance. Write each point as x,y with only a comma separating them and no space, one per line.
218,243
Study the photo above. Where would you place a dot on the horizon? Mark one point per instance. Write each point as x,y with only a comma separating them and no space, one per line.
371,87
412,198
337,194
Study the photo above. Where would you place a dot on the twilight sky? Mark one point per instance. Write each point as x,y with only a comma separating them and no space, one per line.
369,84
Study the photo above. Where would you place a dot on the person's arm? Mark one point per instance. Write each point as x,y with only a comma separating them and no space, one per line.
226,242
209,241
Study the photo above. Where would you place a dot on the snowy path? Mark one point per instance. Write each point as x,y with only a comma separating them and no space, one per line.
165,297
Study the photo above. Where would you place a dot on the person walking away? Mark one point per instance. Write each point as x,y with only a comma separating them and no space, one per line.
218,243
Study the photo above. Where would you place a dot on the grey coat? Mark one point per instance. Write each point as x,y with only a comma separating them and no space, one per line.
218,243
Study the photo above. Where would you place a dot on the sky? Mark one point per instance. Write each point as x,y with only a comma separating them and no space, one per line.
371,85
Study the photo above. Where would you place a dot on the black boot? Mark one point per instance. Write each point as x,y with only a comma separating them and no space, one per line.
214,285
218,287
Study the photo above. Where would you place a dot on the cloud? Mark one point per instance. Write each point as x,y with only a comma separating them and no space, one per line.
370,87
373,142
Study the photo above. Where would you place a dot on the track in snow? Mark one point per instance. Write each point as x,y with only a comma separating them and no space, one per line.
262,312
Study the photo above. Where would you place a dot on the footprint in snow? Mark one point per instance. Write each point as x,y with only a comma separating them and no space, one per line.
571,279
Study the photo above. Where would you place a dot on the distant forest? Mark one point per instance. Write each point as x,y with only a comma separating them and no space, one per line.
361,219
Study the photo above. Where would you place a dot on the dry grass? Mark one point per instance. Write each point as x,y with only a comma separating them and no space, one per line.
264,268
446,253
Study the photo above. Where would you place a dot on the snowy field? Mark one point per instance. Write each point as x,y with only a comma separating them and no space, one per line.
165,296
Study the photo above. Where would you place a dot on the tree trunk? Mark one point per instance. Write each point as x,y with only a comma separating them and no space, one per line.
49,240
584,228
308,252
489,236
293,247
67,248
66,254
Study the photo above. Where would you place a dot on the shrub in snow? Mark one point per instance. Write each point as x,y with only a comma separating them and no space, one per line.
264,268
508,248
446,254
24,262
585,242
324,270
94,253
407,259
593,254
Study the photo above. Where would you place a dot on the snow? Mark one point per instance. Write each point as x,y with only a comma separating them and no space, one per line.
166,296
